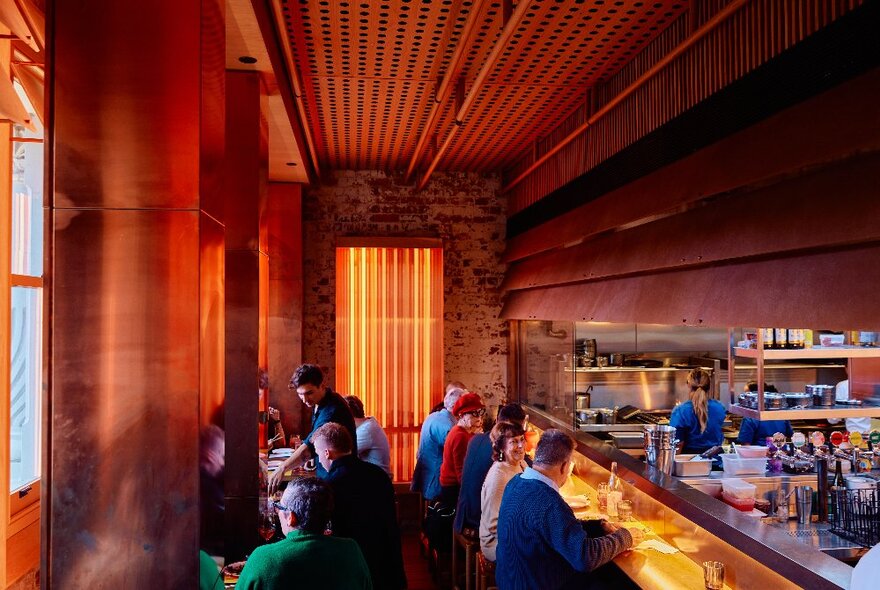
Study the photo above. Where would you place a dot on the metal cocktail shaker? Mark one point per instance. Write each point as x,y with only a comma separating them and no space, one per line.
804,501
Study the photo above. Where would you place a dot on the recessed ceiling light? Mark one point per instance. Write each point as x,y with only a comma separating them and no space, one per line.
291,164
247,59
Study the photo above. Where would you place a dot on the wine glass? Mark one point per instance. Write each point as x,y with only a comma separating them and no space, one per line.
267,526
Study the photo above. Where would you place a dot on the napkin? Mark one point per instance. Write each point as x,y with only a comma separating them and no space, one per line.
656,545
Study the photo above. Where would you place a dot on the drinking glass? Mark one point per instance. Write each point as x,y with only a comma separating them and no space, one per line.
602,492
267,526
624,510
713,575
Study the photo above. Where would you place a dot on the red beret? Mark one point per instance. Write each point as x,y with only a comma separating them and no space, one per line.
469,402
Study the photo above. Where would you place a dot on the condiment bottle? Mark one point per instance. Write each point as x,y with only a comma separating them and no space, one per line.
615,491
838,486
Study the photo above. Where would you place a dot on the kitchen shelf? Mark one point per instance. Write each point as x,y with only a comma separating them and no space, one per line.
760,355
616,369
816,352
837,411
750,367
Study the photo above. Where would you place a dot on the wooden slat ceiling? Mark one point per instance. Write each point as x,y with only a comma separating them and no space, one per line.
370,70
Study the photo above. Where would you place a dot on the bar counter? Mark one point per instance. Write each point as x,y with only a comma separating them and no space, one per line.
702,527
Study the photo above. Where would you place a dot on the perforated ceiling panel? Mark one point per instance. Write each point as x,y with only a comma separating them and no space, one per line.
370,70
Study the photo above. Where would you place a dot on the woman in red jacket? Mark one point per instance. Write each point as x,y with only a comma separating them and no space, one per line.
469,411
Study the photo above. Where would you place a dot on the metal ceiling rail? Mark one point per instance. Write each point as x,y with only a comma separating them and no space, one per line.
446,84
269,19
680,49
500,45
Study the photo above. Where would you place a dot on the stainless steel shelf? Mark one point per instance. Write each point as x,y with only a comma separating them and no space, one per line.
624,369
816,352
751,367
806,413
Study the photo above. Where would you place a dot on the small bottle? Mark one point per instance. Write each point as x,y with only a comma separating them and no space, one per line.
838,481
615,491
781,338
767,337
838,488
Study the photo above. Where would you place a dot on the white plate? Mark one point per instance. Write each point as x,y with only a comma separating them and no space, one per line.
577,502
281,452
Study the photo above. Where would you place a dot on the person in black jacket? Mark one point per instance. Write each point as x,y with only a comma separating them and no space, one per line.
364,509
326,406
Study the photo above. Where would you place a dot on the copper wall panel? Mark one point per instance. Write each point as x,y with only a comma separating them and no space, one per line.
791,215
212,115
246,164
284,212
831,290
212,334
125,383
864,376
135,95
833,125
129,117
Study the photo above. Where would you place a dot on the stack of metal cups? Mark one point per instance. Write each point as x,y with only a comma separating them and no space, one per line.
660,446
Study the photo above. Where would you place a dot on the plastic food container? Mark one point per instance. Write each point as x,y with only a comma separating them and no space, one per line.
743,504
684,467
753,452
737,488
734,465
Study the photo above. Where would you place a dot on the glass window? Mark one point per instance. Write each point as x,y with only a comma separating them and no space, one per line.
25,385
27,209
389,339
19,130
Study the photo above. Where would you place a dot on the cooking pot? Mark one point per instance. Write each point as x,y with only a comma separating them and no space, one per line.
617,359
587,416
602,361
582,401
798,399
607,416
823,395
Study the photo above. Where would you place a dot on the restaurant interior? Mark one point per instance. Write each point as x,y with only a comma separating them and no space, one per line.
567,204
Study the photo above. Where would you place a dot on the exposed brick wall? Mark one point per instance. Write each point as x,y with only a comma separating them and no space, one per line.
466,211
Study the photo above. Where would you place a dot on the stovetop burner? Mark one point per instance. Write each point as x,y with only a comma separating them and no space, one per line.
633,415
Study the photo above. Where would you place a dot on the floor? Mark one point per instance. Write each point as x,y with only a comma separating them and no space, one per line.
417,575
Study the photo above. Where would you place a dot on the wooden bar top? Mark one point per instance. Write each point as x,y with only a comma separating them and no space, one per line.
648,568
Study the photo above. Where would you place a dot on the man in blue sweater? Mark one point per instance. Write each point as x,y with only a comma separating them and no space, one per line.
540,542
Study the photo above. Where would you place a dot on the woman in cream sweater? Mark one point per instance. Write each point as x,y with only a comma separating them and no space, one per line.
508,452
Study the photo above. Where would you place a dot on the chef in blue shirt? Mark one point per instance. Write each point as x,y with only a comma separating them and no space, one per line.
698,421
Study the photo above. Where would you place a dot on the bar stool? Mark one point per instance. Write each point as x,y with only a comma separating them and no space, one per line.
424,548
469,540
485,573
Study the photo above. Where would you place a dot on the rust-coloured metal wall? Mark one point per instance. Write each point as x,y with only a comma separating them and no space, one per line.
775,225
247,281
136,98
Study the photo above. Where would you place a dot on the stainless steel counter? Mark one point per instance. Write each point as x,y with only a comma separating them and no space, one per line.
758,553
818,536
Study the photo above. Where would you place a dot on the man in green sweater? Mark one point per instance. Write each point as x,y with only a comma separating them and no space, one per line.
307,558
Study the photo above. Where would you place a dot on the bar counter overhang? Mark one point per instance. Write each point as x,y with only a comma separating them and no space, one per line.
754,553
